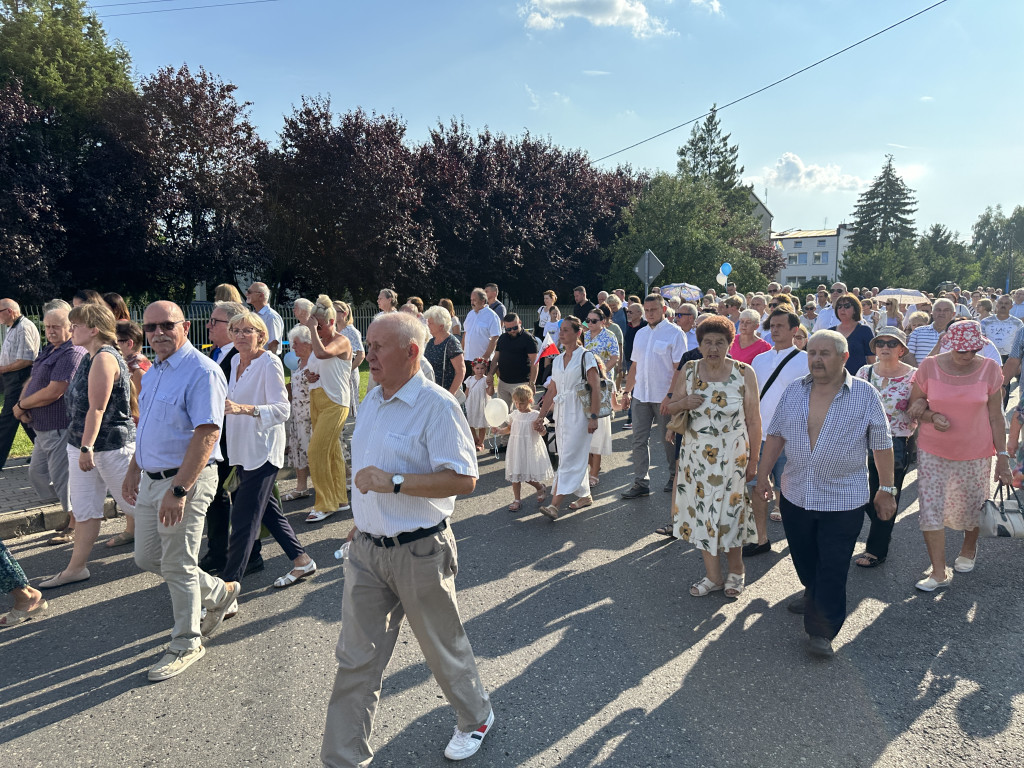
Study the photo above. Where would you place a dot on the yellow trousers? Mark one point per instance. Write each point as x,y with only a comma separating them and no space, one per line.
326,463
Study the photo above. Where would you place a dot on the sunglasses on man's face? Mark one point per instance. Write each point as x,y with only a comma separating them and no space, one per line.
838,290
773,290
167,325
888,343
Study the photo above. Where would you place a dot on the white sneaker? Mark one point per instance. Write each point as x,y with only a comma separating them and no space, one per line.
465,745
174,663
214,616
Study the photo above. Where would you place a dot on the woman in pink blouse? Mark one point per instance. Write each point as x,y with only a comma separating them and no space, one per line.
893,380
746,345
957,396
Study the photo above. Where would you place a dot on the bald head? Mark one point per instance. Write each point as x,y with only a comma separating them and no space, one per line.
166,328
9,311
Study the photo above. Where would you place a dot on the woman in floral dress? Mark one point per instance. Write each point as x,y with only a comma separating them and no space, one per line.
298,427
718,457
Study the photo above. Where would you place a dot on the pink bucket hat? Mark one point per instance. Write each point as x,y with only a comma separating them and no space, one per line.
965,336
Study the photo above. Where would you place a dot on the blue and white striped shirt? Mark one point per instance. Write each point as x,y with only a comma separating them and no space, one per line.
834,476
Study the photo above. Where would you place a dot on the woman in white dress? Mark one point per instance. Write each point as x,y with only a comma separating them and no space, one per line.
573,427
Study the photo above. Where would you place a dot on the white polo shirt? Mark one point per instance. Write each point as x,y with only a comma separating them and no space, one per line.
480,326
764,365
656,352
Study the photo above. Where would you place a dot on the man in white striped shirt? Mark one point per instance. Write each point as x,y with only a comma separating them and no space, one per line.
924,339
412,453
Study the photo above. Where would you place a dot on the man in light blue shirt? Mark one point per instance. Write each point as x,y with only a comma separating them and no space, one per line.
172,479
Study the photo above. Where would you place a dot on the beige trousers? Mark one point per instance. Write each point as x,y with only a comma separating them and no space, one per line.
383,586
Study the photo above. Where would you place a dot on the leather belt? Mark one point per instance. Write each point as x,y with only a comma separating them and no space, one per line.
406,538
167,474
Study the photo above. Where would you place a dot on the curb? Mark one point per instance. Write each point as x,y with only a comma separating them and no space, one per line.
37,519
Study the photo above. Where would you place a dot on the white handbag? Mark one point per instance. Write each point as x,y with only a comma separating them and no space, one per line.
1003,517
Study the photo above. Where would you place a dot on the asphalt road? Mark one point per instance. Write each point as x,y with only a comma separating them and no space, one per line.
593,650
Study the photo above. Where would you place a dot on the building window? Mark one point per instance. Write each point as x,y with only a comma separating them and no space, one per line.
819,257
798,244
792,259
821,243
801,258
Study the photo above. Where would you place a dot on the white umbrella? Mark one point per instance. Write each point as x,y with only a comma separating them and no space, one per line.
904,295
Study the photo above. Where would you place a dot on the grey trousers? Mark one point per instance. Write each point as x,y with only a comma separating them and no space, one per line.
382,587
649,424
48,468
173,553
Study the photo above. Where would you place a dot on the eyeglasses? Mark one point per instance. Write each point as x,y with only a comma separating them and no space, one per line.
591,321
844,305
167,325
247,331
773,290
684,314
773,304
889,344
838,290
511,328
215,320
123,341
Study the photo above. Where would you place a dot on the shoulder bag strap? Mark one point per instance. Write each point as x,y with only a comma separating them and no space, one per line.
444,360
776,372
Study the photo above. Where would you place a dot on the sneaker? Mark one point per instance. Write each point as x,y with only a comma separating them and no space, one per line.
232,610
174,663
636,491
820,646
628,425
465,745
669,487
254,566
215,615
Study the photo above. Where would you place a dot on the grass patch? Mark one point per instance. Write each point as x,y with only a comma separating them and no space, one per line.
22,445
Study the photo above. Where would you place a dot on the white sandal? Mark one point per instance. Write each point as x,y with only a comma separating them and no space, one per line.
734,583
705,587
290,578
315,515
295,495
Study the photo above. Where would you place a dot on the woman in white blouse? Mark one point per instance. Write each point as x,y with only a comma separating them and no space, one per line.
255,412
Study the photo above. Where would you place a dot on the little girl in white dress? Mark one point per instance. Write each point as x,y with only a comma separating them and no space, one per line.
478,390
526,460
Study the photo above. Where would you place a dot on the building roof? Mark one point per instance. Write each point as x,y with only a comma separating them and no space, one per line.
804,233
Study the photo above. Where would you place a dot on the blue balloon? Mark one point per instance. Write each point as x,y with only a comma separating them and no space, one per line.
726,268
291,360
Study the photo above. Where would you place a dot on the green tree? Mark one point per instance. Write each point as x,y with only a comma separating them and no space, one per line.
944,257
709,157
998,246
883,214
891,265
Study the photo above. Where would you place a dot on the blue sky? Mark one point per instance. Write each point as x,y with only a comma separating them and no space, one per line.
940,92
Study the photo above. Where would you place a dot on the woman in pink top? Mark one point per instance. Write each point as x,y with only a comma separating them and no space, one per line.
954,395
746,346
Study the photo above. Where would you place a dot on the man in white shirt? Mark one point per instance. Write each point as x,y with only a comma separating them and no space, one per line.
19,351
791,365
826,315
924,339
258,296
412,453
482,328
1017,310
657,349
1001,328
686,320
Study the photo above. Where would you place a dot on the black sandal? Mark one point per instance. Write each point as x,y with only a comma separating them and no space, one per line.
872,561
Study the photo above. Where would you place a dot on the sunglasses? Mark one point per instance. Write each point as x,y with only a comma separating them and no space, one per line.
592,322
773,304
167,325
683,314
773,290
844,305
888,344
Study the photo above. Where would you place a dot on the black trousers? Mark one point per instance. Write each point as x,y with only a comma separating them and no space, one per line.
218,522
14,382
252,504
821,544
880,533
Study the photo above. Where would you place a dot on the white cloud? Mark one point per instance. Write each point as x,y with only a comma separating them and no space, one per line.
534,101
713,6
595,72
911,172
632,14
897,146
790,172
927,98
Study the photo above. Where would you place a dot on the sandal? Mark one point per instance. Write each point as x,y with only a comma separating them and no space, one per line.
121,539
515,506
550,512
705,587
290,578
17,616
734,585
665,530
594,480
542,493
63,537
775,516
867,560
295,495
315,515
579,503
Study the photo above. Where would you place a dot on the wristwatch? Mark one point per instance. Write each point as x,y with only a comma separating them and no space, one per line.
890,489
255,411
593,416
179,491
397,480
86,449
1003,453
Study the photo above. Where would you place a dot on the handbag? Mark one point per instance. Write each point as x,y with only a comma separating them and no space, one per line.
680,421
1003,517
583,391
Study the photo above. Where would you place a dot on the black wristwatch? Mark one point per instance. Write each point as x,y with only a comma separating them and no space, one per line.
179,491
593,416
397,480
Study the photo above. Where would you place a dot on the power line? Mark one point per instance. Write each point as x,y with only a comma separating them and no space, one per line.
772,85
133,2
183,8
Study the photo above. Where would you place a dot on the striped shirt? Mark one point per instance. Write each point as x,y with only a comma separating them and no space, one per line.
418,430
834,476
922,341
20,343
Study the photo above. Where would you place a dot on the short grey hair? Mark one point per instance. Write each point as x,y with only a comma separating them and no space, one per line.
59,311
231,308
53,304
262,289
304,304
480,293
408,327
835,337
300,333
944,302
440,316
750,314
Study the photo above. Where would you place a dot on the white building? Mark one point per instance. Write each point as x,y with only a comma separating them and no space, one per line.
812,255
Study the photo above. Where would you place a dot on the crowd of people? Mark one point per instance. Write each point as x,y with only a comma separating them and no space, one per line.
766,408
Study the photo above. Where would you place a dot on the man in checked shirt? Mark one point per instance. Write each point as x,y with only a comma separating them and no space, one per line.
412,453
827,421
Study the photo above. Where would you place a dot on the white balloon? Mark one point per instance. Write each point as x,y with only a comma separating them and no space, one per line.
721,279
495,412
